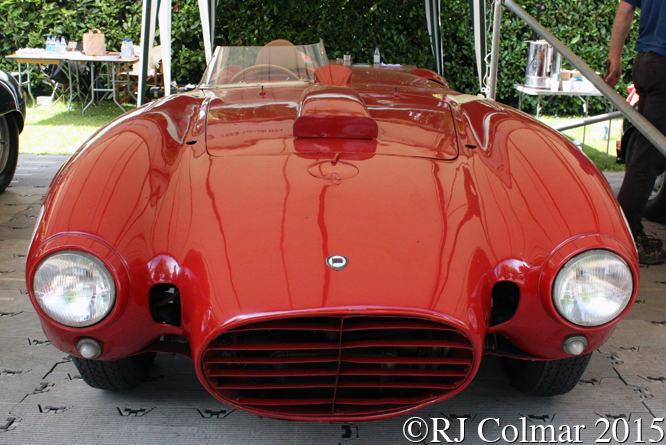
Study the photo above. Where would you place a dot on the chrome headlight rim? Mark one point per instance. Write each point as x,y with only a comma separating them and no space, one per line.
105,270
569,264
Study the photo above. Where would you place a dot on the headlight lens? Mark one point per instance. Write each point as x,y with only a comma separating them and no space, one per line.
74,288
593,288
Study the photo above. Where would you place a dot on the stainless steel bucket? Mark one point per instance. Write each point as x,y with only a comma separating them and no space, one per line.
542,61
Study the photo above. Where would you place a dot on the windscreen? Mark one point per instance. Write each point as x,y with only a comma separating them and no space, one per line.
278,61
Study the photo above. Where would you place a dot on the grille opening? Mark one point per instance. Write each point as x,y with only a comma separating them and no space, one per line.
164,300
319,366
505,297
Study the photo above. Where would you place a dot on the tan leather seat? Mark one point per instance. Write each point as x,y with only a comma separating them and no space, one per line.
282,53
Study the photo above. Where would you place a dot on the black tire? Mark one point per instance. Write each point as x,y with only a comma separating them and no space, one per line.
546,378
9,148
627,130
115,375
655,209
628,142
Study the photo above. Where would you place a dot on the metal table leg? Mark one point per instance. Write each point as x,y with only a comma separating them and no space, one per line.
92,89
71,87
113,86
609,109
20,79
110,71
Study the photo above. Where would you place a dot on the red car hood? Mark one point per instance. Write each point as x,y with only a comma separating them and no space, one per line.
270,224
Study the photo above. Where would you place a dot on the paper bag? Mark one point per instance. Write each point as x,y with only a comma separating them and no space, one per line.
93,43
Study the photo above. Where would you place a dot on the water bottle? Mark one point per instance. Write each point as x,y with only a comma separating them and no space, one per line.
63,45
49,44
126,50
555,82
377,57
130,48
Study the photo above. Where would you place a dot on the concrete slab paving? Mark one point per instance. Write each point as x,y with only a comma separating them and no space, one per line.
44,401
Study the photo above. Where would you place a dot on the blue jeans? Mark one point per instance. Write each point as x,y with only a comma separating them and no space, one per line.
646,162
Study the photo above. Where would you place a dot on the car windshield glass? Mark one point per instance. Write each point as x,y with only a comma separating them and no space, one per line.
278,61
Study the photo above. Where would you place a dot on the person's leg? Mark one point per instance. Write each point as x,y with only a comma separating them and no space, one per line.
646,162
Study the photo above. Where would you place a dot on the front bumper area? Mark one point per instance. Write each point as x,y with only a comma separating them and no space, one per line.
345,367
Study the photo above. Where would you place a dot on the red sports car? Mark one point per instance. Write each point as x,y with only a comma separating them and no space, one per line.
329,242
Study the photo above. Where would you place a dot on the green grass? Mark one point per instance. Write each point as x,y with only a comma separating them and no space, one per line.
50,130
595,146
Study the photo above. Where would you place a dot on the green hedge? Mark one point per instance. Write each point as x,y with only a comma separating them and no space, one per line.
353,27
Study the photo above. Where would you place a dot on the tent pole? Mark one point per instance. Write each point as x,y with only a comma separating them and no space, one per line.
145,50
164,15
204,14
480,39
212,10
433,20
494,58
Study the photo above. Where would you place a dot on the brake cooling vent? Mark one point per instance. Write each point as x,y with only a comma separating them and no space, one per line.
327,367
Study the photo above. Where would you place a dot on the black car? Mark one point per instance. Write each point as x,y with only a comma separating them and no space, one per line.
12,118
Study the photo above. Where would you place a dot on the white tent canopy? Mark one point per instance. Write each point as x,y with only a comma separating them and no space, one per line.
154,10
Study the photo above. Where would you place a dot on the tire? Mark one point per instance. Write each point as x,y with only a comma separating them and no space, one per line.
9,147
627,130
546,378
655,209
115,375
628,142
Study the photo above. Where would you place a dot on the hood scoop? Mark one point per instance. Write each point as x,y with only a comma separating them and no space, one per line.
333,111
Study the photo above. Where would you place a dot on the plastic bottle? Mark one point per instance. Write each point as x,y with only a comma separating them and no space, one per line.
49,44
126,49
63,45
130,48
555,82
377,57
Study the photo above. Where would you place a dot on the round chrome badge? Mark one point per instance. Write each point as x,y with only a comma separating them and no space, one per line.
336,262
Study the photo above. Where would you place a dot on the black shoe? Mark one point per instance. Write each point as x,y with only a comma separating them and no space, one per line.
650,256
650,242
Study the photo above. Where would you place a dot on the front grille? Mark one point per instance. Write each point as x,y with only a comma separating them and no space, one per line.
337,366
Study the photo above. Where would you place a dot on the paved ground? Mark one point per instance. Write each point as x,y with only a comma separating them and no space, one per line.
44,401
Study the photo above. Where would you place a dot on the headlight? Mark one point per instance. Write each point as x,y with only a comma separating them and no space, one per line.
74,288
593,288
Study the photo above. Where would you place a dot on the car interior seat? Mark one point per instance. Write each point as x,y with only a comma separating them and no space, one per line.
282,53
